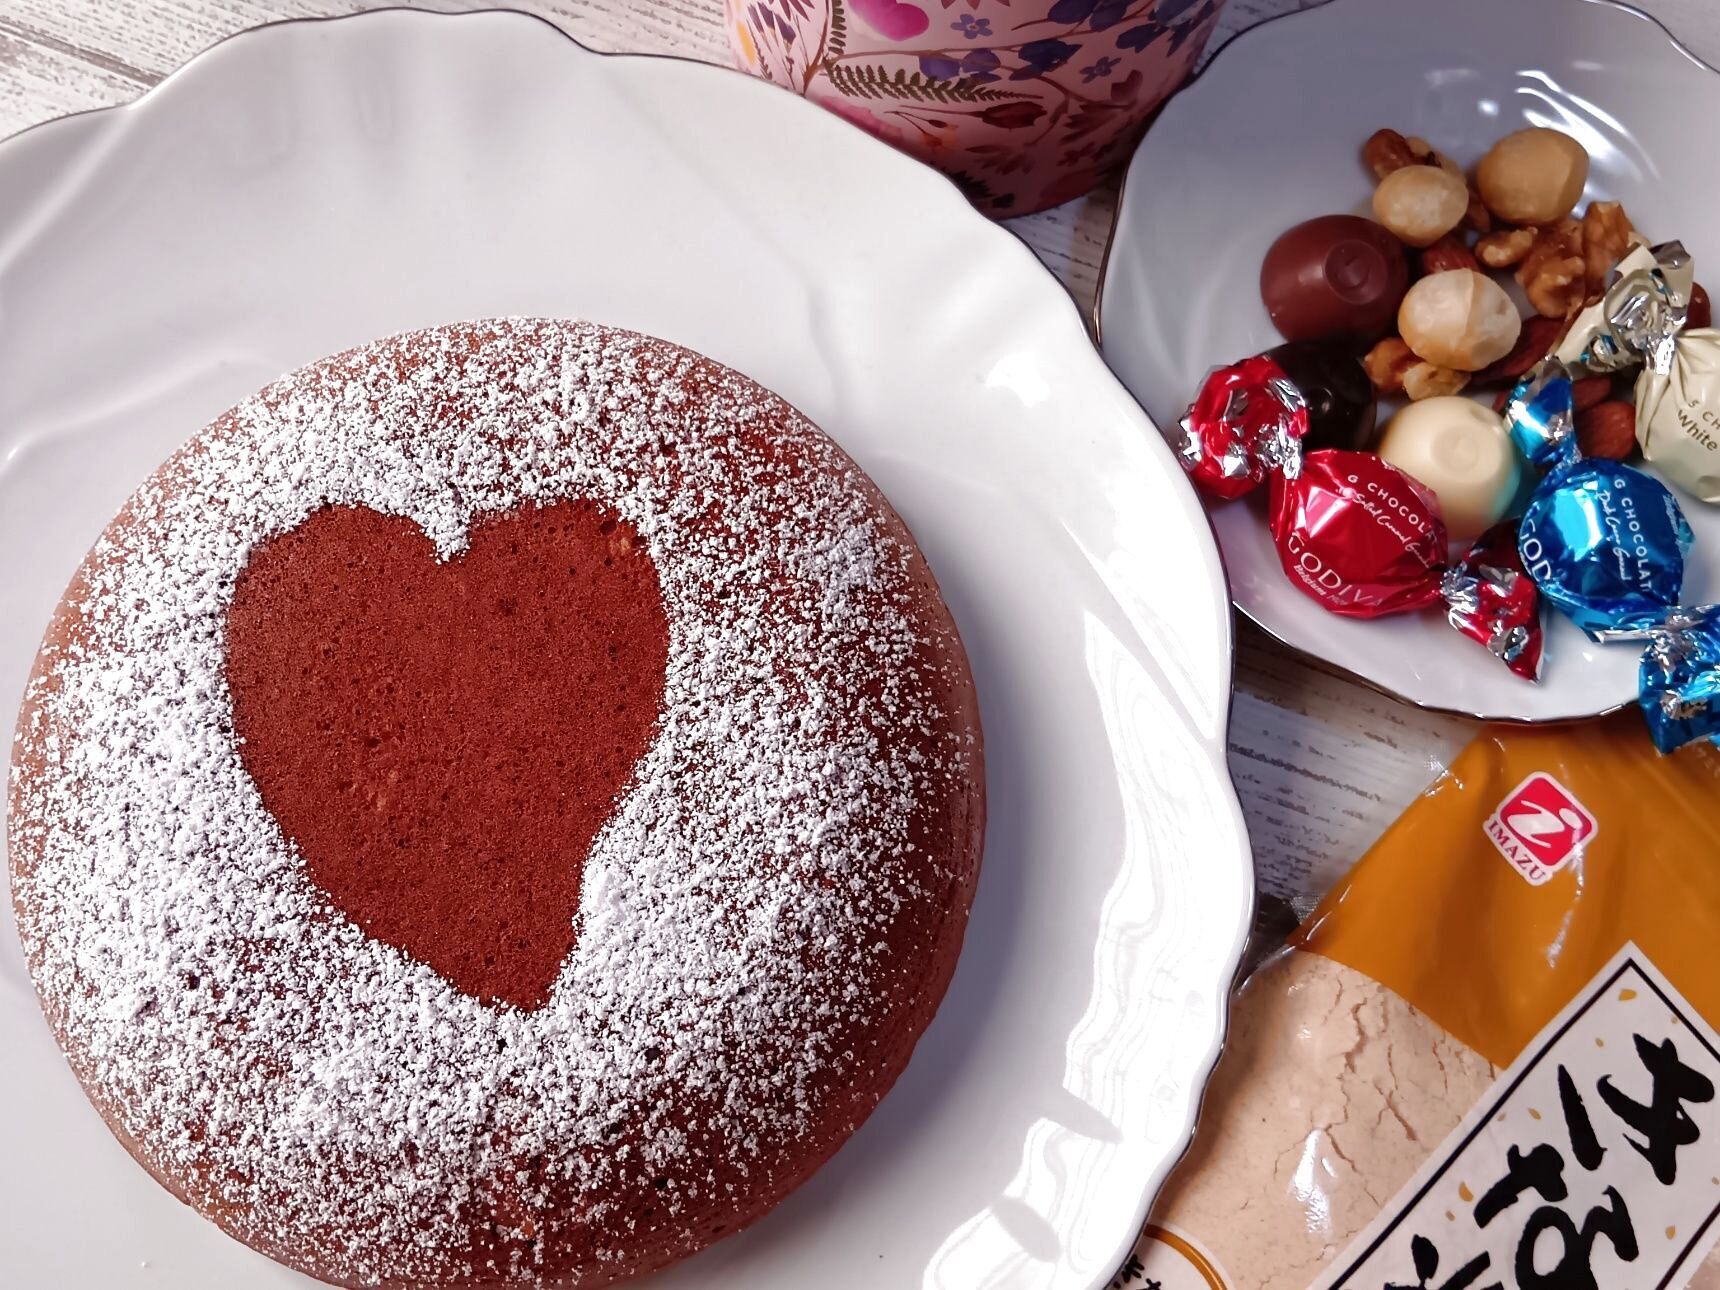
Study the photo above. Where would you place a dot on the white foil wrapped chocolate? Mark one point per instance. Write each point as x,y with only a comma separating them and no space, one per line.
1678,414
1645,305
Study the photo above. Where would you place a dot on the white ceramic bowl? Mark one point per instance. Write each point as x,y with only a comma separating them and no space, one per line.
308,186
1271,133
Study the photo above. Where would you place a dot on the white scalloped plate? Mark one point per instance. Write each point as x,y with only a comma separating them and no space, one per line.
312,185
1271,134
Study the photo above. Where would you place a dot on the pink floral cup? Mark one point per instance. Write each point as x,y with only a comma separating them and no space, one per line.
1024,103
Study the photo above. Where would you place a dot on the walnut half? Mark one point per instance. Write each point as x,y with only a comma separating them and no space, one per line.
1554,275
1387,363
1506,247
1425,381
1426,154
1606,237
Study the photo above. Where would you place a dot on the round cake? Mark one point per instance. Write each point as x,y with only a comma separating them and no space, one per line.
497,808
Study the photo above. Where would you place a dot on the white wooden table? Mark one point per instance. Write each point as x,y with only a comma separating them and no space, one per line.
1321,762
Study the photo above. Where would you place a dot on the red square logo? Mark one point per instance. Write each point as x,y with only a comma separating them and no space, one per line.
1540,827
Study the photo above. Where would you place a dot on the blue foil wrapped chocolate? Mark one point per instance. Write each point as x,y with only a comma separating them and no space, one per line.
1605,543
1680,678
1540,415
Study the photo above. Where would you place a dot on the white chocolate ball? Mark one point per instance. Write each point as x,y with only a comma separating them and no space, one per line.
1421,204
1459,449
1459,319
1534,176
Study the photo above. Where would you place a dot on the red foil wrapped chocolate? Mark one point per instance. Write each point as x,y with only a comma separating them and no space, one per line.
1492,599
1246,423
1358,535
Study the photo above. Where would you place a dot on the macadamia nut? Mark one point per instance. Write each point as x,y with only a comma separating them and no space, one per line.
1421,204
1459,319
1533,176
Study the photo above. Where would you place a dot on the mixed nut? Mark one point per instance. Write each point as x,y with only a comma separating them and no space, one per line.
1436,319
1525,190
1485,512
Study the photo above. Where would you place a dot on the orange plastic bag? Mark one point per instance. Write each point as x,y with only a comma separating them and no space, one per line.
1489,1058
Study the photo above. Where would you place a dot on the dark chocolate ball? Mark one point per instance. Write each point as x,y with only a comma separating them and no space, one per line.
1341,405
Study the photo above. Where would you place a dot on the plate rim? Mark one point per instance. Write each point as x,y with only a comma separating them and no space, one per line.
1095,325
91,120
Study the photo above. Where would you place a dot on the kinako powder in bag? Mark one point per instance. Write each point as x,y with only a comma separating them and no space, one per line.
1488,1058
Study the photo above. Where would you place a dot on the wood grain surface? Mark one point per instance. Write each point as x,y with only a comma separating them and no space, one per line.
1322,763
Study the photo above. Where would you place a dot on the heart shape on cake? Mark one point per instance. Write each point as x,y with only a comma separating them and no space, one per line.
443,740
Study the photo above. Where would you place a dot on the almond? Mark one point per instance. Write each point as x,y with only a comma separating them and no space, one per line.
1589,392
1450,252
1539,337
1477,219
1386,151
1607,430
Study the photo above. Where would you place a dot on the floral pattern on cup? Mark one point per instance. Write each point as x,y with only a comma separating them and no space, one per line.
1024,103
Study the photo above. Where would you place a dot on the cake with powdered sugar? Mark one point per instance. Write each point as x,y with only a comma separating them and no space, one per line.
497,808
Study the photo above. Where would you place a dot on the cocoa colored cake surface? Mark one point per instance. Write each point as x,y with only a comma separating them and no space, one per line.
443,740
496,809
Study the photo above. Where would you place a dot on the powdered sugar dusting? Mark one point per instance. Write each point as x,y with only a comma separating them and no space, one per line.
322,1090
